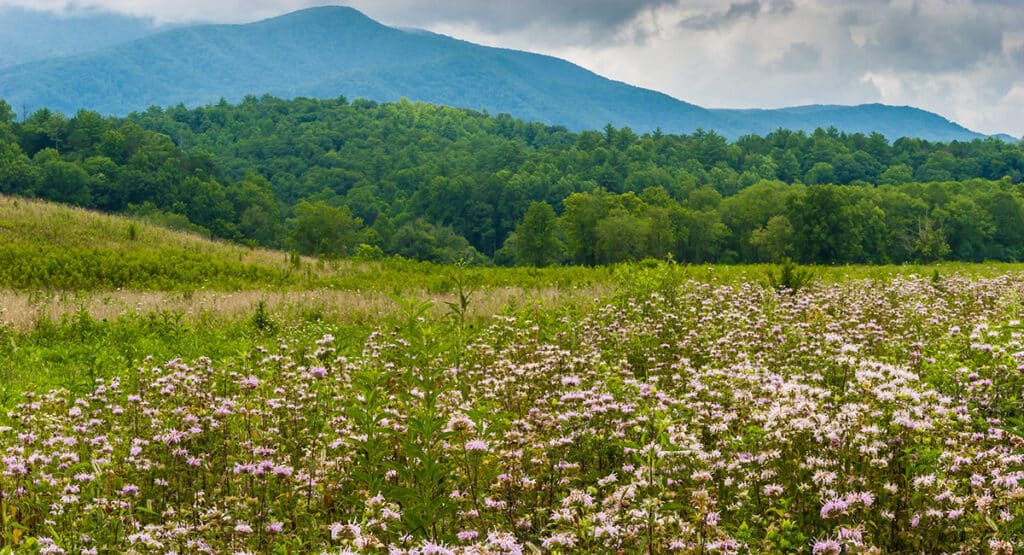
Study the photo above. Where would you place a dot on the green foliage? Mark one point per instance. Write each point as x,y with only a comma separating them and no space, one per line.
774,240
261,319
367,253
440,184
411,320
324,231
78,268
7,114
930,243
536,237
789,277
460,308
73,351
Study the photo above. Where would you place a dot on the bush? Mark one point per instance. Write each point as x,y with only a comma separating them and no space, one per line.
787,276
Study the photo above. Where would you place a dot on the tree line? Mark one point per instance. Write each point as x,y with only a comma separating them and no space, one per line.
334,178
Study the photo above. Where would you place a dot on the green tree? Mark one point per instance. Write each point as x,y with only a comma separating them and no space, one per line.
579,222
701,235
85,131
930,242
897,175
661,233
259,217
323,230
820,173
621,236
1007,213
751,209
62,181
537,242
415,239
823,227
969,228
206,203
788,167
17,173
774,240
6,113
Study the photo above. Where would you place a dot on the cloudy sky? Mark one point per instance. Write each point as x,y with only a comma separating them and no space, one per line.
963,59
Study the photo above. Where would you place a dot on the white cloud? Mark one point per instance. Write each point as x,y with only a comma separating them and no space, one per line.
956,58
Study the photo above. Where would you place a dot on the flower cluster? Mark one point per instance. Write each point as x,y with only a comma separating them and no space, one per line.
865,417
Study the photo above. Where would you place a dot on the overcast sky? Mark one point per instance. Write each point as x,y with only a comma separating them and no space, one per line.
963,59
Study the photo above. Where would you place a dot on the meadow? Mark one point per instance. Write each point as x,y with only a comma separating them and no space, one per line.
289,405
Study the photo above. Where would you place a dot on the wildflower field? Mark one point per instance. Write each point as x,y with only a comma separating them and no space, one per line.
679,416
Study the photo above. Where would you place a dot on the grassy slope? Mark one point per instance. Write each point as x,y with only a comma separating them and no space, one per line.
81,298
38,222
60,248
54,246
84,295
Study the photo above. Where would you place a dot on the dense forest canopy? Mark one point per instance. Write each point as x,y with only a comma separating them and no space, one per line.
334,178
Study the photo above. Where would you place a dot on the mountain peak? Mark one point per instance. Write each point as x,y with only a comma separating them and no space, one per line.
333,13
331,51
332,18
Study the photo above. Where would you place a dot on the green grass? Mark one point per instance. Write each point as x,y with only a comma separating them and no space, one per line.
57,247
47,246
68,340
86,295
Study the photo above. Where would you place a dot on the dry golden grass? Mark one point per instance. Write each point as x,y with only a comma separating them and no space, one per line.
22,311
359,291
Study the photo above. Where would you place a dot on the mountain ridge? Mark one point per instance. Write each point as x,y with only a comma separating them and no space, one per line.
332,51
28,35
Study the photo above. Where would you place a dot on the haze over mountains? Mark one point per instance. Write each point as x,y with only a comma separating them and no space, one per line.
30,36
116,64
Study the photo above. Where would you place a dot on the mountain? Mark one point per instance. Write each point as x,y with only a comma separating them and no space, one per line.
332,51
891,121
31,35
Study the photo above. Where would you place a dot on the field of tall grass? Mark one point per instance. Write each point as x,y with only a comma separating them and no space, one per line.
862,416
283,405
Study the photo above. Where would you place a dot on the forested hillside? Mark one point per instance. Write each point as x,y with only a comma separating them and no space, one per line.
334,178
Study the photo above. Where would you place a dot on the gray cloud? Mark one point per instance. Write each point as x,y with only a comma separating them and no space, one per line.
717,20
596,18
798,57
782,7
1017,59
505,16
913,41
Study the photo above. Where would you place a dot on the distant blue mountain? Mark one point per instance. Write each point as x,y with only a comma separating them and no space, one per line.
333,51
31,35
891,121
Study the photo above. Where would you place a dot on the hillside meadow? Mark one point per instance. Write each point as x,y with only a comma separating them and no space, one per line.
262,402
